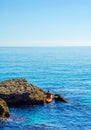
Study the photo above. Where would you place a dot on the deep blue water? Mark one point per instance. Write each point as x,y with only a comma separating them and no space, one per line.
64,70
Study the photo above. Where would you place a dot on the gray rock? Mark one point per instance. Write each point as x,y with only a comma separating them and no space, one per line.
60,98
20,92
4,111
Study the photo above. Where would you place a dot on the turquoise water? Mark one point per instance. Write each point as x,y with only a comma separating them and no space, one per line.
64,70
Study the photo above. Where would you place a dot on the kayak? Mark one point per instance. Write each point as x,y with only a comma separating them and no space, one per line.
48,100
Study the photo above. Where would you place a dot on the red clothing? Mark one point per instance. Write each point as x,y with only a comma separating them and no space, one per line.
48,95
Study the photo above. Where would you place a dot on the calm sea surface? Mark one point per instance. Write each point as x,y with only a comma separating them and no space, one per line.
64,70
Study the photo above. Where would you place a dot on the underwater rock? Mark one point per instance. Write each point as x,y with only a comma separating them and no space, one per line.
20,92
4,111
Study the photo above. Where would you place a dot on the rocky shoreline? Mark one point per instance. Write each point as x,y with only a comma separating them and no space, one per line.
17,92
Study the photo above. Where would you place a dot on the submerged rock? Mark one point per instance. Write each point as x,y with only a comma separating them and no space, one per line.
20,92
4,111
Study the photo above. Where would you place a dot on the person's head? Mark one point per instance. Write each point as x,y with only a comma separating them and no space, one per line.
48,91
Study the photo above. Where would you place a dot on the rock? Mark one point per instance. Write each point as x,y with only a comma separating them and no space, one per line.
20,92
58,97
4,111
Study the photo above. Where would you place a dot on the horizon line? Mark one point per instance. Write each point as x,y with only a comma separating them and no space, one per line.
51,46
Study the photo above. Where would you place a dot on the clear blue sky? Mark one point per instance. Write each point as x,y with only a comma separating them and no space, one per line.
45,22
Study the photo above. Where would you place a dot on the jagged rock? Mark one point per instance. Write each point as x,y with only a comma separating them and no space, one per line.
19,92
4,111
58,97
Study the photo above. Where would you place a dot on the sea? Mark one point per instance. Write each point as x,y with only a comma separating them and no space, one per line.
62,70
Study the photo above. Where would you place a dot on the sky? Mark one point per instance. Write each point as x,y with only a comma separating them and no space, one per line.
45,22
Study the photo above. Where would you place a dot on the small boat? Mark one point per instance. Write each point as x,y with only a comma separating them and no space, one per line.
48,100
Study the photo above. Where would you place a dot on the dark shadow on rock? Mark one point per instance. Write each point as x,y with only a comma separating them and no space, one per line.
58,97
20,92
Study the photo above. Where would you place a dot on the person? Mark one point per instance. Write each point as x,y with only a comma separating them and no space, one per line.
48,94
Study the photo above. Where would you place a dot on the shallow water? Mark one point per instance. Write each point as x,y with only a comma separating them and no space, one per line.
64,70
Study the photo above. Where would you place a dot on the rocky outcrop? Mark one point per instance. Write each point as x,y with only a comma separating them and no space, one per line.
60,98
20,92
4,111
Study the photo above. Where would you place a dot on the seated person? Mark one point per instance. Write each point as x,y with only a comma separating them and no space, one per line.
48,94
